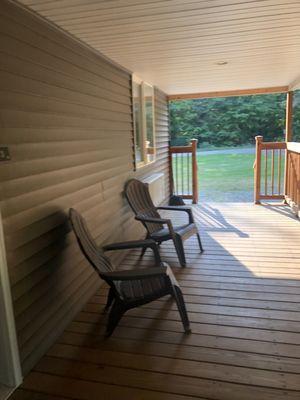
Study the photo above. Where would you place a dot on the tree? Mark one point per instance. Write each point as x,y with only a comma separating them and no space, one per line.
296,116
229,121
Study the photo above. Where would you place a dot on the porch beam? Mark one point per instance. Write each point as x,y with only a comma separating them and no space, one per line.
228,93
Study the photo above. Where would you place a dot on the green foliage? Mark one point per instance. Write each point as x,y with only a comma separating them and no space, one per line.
230,121
296,116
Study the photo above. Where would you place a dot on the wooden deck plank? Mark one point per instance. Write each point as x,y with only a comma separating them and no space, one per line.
138,333
196,369
243,299
239,301
158,385
183,351
90,389
205,318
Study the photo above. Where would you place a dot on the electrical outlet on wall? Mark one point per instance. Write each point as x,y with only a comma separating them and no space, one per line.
4,154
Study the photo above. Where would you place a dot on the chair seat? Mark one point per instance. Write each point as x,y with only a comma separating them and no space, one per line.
183,230
139,289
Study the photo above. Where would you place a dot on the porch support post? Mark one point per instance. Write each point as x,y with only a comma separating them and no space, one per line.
194,170
257,169
171,179
289,117
288,134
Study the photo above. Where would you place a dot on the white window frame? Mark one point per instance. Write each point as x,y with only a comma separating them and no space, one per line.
145,161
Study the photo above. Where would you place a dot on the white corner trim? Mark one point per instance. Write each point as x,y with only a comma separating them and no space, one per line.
11,355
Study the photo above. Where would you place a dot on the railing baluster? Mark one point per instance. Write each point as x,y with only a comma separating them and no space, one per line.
177,188
289,173
188,172
297,196
182,189
266,172
294,177
298,182
279,171
272,173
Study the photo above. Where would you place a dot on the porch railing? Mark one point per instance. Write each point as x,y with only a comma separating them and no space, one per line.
269,167
277,172
184,171
292,183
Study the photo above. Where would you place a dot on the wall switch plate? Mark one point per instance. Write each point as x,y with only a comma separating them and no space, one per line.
4,154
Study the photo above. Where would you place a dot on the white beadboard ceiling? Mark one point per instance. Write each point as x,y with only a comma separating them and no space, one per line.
177,44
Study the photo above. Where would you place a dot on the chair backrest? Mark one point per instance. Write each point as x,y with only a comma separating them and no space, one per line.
139,199
88,245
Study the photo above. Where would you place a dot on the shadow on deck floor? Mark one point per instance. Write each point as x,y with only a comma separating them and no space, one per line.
243,298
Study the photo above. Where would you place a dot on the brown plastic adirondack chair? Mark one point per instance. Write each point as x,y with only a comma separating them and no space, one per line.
160,229
128,288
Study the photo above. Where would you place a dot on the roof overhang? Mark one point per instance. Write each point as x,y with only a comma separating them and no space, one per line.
189,46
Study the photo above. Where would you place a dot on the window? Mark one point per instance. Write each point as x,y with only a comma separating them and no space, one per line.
143,114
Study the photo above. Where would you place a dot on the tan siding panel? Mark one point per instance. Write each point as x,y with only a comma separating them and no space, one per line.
65,114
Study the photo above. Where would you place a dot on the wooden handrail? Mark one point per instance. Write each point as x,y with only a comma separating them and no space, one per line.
272,145
184,171
181,149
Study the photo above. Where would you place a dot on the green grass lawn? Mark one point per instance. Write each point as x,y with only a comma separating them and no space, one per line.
226,177
223,177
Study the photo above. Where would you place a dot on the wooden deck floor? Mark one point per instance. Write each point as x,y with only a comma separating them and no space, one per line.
243,298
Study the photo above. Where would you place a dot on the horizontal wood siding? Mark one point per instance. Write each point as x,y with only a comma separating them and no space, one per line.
65,114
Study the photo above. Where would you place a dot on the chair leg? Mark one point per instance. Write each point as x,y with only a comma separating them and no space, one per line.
109,301
182,309
116,313
200,243
143,252
180,250
144,248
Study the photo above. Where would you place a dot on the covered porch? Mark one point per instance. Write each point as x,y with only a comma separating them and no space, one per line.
74,130
243,299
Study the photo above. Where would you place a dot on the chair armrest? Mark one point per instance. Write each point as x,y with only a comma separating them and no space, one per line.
153,220
174,208
129,245
188,210
137,273
163,221
134,244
